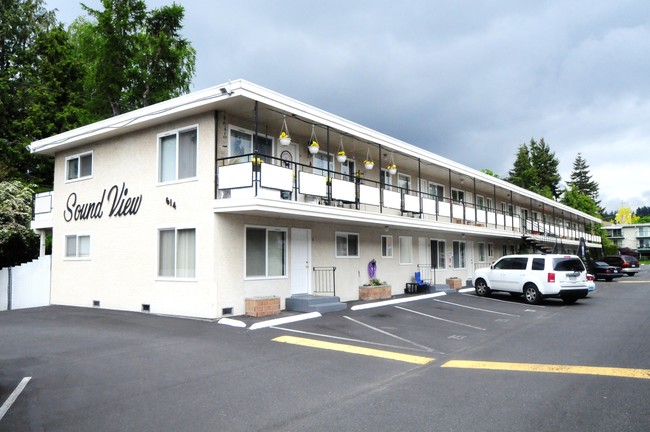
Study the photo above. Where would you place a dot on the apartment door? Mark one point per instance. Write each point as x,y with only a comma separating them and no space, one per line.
300,261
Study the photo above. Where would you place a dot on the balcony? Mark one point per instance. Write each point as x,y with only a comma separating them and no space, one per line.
306,192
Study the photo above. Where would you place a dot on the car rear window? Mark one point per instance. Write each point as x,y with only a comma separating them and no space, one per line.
538,263
568,264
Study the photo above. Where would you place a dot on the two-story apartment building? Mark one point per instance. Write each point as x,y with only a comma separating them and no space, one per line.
193,205
633,236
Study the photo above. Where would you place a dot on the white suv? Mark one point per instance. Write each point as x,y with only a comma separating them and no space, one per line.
535,277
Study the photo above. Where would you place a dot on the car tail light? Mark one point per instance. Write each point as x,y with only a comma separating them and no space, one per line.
551,278
626,264
590,277
608,270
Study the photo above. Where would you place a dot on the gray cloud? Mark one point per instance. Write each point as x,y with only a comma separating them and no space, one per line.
467,80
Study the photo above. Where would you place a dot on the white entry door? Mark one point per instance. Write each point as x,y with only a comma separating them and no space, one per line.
300,261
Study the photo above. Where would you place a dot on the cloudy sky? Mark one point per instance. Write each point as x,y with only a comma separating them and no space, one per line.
469,80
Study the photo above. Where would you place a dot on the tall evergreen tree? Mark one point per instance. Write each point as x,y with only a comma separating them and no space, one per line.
581,179
545,165
522,173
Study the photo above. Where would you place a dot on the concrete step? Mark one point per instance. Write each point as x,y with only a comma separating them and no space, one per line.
311,303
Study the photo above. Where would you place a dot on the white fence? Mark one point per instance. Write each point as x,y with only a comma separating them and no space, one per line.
30,284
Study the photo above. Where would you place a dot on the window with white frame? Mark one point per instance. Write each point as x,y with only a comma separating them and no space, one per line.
77,246
348,170
489,203
490,250
386,246
480,202
406,250
481,251
386,179
177,155
266,252
459,254
458,195
438,251
320,163
177,253
507,208
404,182
240,143
79,166
436,191
347,245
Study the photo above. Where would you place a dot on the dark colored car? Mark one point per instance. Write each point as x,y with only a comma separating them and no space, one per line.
602,270
628,264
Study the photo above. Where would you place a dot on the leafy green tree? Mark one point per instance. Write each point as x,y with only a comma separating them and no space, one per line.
18,242
133,57
642,211
579,201
490,172
35,82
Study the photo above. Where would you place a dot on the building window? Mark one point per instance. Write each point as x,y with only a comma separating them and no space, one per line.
266,252
438,251
348,170
489,204
386,246
177,253
386,179
490,250
504,250
404,182
177,156
481,251
77,246
458,195
480,202
322,160
347,245
459,255
241,144
406,250
79,166
436,191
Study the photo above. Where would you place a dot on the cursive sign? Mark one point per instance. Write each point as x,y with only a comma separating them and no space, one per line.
120,205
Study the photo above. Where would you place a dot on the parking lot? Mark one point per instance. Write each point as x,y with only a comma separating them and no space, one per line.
449,362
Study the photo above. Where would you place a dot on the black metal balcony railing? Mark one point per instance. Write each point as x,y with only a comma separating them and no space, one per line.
253,175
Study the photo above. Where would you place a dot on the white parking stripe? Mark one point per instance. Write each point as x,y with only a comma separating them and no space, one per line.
13,396
478,309
389,334
439,319
495,299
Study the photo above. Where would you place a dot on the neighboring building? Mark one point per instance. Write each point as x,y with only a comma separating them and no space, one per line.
633,236
191,206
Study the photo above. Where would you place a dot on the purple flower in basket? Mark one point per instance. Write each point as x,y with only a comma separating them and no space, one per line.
372,268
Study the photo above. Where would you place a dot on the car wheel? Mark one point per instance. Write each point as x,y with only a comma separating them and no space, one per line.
609,279
569,299
631,274
532,295
482,290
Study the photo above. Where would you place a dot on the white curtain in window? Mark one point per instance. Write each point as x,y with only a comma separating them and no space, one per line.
240,143
276,253
405,250
459,254
84,246
186,253
255,252
166,253
341,245
187,154
71,246
167,162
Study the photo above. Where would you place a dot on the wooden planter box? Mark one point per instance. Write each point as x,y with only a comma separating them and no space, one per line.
375,292
455,283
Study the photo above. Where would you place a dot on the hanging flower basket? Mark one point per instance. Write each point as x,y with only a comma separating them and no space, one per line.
341,157
313,142
368,162
284,137
392,169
